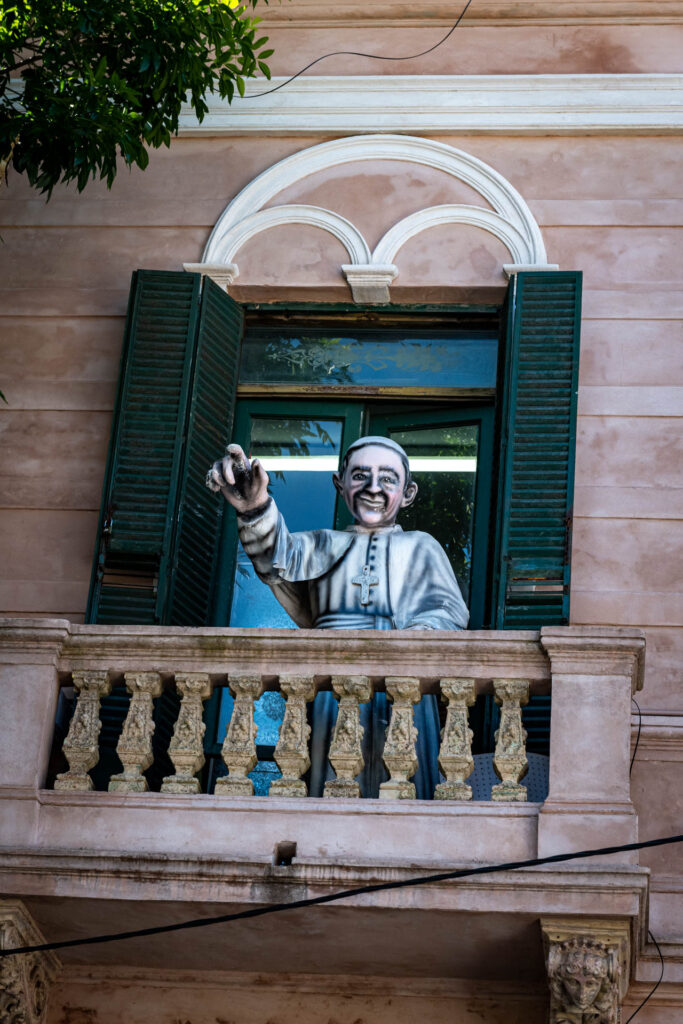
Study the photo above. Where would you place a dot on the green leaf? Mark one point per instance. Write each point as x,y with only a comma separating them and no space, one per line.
112,78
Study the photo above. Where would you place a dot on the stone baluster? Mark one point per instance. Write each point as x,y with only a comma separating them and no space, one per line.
455,754
186,748
345,750
135,743
291,752
400,755
81,747
239,749
510,760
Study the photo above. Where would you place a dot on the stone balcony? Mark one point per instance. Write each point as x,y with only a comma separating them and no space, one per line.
78,858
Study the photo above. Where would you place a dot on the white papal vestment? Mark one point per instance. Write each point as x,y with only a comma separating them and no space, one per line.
312,575
316,575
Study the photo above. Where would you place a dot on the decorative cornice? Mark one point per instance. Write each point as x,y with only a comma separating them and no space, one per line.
596,650
223,274
643,104
661,736
429,655
32,640
369,283
299,983
78,873
425,13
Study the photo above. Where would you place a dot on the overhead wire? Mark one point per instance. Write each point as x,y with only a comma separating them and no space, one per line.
657,984
403,883
314,901
640,725
356,53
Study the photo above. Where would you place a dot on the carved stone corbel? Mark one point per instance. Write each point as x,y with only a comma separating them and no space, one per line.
81,746
345,750
510,760
186,748
400,755
239,749
25,979
291,752
587,963
455,754
135,743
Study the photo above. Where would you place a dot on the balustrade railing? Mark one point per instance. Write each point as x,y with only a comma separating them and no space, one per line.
185,713
135,747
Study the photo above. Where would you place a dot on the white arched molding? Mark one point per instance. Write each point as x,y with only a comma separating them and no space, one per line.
435,216
506,216
229,242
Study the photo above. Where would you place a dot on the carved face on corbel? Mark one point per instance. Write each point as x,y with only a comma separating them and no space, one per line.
582,974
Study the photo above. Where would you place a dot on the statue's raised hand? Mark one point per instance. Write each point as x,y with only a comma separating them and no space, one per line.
244,483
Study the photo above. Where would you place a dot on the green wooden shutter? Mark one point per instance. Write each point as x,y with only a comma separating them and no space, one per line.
209,428
177,367
538,440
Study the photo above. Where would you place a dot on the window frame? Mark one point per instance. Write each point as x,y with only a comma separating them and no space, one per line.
176,324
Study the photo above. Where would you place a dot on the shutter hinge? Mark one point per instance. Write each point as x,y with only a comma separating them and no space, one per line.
108,524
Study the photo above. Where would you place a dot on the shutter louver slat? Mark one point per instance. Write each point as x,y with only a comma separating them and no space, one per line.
540,421
209,427
140,489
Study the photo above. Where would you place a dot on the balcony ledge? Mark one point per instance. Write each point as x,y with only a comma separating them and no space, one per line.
85,862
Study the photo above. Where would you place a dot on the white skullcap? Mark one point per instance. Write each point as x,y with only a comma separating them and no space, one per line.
384,442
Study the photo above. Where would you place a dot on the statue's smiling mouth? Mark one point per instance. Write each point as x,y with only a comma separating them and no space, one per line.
376,504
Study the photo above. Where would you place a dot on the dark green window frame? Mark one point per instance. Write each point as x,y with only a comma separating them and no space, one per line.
353,411
158,532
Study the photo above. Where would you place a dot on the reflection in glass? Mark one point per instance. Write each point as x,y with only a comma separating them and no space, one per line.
299,455
443,463
386,358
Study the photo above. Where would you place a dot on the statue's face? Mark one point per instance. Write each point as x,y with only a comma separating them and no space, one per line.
583,991
374,486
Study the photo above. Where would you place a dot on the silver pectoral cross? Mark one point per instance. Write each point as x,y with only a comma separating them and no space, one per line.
365,581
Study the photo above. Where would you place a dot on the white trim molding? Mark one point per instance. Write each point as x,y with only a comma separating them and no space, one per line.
299,14
644,104
370,283
227,243
222,273
504,215
514,239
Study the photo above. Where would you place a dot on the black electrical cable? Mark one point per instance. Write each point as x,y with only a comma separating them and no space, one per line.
640,723
314,901
355,53
659,982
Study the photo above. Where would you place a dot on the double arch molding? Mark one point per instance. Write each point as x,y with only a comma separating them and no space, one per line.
369,274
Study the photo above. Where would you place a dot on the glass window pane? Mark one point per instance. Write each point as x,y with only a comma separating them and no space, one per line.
299,454
383,358
443,462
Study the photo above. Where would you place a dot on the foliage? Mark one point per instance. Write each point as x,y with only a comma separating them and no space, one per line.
82,81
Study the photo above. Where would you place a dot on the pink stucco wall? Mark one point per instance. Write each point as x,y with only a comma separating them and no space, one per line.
608,206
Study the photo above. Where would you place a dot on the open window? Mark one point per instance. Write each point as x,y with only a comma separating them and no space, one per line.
442,381
483,400
299,442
